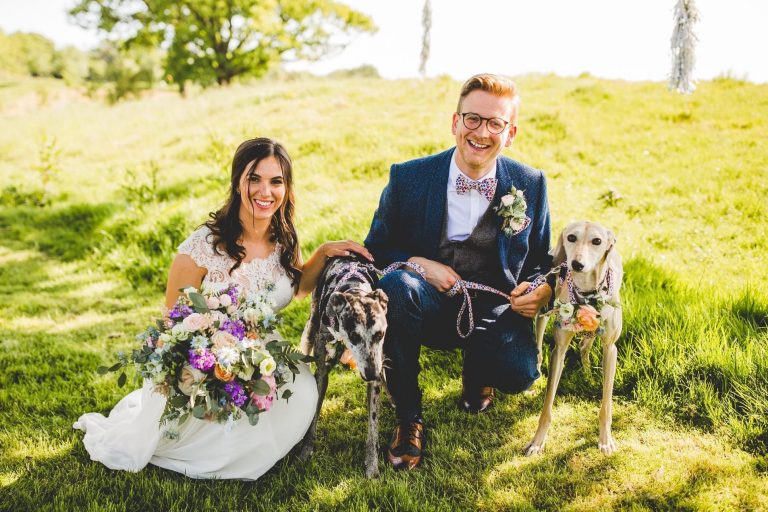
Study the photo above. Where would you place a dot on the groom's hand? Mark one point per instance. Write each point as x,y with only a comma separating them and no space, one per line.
442,277
529,305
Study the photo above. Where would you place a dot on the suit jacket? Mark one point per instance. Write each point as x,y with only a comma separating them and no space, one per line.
409,219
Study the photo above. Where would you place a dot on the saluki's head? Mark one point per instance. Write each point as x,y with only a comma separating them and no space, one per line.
362,322
584,245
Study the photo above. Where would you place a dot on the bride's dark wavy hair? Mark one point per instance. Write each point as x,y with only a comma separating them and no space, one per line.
225,222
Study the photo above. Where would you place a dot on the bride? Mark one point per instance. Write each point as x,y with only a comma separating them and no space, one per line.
252,241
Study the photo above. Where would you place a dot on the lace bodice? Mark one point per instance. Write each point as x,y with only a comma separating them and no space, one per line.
253,275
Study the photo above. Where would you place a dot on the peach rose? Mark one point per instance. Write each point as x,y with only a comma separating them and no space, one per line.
222,374
348,359
223,339
587,317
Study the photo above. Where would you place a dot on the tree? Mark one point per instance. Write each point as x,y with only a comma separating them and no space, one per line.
214,41
426,23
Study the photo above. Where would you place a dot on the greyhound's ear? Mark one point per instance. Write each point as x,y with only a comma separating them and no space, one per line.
336,302
558,253
381,297
611,241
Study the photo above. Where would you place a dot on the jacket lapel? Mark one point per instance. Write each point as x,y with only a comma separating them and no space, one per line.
437,191
502,187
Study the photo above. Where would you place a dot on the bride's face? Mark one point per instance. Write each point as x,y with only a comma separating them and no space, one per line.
262,190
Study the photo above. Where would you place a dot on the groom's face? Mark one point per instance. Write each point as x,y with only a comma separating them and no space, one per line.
476,150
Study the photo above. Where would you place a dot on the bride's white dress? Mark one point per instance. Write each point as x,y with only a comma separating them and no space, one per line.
131,436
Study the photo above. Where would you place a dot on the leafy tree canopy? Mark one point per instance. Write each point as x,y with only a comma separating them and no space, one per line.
214,41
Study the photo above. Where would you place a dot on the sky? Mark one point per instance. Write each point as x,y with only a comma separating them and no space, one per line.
621,39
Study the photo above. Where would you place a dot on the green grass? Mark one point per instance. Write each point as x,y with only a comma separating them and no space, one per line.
83,274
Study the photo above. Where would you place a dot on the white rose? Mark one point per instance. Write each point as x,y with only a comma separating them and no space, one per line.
566,310
507,200
212,303
267,366
223,339
231,309
225,300
165,338
519,193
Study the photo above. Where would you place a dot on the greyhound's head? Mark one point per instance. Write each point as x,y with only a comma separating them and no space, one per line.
585,246
362,323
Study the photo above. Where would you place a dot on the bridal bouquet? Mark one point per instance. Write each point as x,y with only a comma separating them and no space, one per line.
216,355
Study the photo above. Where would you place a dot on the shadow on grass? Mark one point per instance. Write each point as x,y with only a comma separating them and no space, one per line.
67,233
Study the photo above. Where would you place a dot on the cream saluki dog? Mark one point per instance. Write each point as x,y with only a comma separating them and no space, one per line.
587,303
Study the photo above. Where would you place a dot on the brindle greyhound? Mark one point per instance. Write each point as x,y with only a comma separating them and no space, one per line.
347,312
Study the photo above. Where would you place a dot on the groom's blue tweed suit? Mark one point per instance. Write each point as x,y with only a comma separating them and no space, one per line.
409,221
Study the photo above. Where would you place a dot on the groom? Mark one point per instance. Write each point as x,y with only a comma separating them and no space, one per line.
439,212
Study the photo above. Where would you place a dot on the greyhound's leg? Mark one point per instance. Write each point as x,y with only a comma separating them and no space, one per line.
556,360
605,440
322,370
372,442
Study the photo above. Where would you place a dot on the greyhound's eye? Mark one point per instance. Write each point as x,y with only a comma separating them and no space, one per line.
571,238
596,241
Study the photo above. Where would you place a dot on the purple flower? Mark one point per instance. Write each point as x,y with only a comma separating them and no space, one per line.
179,312
234,327
203,360
232,292
236,393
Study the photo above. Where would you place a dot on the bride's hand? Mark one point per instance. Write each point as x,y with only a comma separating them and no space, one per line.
344,248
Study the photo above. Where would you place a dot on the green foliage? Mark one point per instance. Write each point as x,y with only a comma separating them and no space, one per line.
83,276
214,41
126,72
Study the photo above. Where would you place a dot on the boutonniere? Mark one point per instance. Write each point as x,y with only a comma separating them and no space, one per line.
512,210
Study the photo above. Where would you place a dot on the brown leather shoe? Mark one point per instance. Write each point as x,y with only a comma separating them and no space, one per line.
407,446
475,399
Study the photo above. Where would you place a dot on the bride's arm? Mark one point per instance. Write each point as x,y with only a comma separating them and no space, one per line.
315,264
184,272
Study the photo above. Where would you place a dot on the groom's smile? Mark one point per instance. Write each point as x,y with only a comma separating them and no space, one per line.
478,147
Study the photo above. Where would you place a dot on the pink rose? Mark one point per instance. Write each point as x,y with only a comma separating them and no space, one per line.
587,317
264,402
195,322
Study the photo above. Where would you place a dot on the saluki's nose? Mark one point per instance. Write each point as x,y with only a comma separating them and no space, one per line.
577,265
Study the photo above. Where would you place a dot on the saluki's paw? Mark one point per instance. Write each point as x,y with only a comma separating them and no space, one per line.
534,448
608,446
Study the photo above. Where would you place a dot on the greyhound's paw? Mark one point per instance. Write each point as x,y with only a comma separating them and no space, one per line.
607,446
306,452
534,448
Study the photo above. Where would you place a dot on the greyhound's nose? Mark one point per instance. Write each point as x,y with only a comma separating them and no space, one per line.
577,265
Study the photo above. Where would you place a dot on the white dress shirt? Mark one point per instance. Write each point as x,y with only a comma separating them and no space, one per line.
464,211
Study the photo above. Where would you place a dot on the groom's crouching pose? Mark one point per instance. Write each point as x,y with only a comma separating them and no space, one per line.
453,215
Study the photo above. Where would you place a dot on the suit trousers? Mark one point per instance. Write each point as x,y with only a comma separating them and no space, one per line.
500,352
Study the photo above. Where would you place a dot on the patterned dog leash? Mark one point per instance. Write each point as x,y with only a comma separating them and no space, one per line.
460,286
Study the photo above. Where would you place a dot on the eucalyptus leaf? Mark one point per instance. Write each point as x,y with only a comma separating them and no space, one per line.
253,419
102,370
115,367
198,302
287,394
261,388
121,380
183,418
198,412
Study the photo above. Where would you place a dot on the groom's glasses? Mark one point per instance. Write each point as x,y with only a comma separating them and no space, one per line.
473,121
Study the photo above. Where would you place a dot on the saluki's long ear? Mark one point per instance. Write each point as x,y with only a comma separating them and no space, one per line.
605,261
336,303
558,253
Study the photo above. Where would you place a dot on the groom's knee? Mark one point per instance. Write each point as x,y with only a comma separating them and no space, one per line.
402,288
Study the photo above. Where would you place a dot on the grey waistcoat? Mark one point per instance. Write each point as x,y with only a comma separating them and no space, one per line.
476,258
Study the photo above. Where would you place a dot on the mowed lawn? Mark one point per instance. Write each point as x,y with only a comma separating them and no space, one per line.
682,180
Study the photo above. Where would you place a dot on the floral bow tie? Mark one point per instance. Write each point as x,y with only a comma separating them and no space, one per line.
487,187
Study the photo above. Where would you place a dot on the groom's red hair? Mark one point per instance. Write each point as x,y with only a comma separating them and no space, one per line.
497,85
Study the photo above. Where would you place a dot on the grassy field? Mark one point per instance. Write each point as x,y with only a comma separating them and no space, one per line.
95,199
